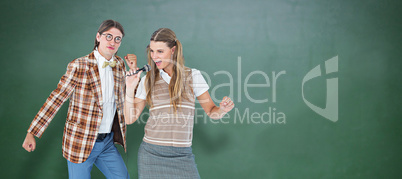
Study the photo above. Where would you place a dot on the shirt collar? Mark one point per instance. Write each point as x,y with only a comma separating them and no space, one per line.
100,58
162,72
165,76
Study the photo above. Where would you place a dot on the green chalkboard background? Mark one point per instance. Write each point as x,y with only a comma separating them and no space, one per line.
257,52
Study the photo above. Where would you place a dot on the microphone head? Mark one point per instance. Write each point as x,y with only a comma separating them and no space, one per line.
147,68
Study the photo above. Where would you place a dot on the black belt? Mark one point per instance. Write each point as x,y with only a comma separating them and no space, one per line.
101,136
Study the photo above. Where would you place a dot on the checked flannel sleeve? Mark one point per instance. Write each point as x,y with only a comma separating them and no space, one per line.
56,99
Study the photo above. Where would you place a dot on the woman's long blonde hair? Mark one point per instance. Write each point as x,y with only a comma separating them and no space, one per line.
177,83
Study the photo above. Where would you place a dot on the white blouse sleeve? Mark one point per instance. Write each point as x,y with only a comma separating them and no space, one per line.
141,93
200,86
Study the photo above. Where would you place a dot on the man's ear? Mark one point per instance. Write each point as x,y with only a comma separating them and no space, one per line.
98,37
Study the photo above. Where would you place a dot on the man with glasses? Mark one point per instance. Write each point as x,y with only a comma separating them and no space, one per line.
95,85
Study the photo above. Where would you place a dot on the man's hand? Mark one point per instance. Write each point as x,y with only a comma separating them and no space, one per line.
131,61
29,143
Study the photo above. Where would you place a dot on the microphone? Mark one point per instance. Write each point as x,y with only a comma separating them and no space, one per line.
146,68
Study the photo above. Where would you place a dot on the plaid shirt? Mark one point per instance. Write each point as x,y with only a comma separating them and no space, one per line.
81,83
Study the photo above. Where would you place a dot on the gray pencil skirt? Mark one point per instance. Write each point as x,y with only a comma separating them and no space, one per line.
156,161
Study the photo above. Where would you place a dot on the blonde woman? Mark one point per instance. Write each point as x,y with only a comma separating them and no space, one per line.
170,90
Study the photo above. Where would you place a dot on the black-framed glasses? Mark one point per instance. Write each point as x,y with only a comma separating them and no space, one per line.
109,37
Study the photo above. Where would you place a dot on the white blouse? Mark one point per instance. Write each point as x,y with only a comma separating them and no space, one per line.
200,86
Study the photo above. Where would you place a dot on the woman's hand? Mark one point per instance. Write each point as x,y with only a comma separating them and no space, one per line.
226,105
132,81
131,61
